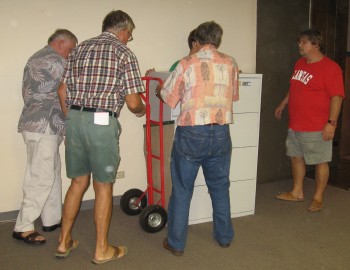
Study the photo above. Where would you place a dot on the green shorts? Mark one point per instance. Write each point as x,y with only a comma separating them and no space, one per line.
90,148
310,146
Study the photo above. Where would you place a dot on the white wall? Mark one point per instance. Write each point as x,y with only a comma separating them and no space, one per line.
160,38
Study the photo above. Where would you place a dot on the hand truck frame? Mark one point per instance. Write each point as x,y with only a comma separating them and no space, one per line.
153,216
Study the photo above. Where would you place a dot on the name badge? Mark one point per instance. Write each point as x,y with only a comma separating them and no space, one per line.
101,118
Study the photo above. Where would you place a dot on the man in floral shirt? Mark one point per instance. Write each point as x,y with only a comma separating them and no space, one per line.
205,84
42,125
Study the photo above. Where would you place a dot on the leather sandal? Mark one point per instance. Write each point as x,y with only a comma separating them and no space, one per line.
288,196
316,206
119,252
30,238
73,244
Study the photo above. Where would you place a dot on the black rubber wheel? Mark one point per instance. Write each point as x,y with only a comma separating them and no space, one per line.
129,199
153,218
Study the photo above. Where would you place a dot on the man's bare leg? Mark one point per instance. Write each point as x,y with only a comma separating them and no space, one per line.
321,179
103,213
298,174
71,208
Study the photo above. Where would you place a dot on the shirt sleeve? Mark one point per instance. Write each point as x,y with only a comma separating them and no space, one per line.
235,81
173,87
132,77
335,82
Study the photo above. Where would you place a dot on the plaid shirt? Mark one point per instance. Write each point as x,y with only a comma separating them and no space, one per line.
100,72
205,84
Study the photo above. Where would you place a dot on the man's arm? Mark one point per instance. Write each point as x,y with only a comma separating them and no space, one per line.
135,105
281,106
158,89
62,98
334,110
335,107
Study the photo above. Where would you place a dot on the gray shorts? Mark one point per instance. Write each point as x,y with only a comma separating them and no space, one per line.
90,148
310,146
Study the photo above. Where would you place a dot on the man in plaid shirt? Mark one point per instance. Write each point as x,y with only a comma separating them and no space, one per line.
101,75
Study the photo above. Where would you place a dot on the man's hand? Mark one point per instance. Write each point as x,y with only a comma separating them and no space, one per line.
279,110
149,71
61,92
328,132
142,113
158,89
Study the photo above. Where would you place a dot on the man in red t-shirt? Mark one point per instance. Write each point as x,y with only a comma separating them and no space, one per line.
314,100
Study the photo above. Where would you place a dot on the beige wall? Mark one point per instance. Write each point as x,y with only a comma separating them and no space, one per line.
160,38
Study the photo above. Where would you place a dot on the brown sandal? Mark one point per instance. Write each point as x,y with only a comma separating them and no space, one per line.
288,196
316,206
30,238
73,244
119,252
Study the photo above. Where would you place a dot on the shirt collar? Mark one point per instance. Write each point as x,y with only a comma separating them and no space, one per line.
207,47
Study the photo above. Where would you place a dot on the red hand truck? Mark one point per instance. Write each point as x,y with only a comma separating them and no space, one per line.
153,216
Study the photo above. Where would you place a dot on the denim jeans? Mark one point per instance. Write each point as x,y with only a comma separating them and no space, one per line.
209,147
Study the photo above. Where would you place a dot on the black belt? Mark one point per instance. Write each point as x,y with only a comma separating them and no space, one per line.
212,124
87,109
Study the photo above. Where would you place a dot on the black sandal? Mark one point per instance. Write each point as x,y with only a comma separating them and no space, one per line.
30,238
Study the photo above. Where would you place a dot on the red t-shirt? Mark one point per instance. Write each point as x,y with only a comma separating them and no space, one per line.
311,88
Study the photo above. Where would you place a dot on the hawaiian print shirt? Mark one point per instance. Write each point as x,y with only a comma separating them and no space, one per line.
205,84
42,75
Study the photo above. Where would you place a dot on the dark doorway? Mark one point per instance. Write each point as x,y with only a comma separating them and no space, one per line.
331,18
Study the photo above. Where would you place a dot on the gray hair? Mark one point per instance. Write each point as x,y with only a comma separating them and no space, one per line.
117,20
191,38
209,33
62,34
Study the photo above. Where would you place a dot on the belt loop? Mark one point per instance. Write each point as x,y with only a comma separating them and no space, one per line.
75,107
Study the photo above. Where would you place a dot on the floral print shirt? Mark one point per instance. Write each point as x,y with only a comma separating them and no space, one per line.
42,75
205,84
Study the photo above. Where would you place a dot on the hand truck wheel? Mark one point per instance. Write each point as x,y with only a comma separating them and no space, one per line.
153,218
131,203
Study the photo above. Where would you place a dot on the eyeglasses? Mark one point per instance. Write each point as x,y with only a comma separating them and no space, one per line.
130,36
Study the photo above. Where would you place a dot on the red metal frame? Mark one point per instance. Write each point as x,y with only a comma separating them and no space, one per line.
150,155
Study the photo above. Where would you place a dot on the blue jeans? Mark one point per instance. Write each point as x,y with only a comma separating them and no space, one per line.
209,147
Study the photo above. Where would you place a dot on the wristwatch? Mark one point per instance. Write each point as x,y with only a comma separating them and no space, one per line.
332,122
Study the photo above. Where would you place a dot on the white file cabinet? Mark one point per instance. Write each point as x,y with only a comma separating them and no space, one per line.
245,140
244,161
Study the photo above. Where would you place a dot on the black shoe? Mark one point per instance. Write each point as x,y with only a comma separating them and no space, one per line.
225,245
51,228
